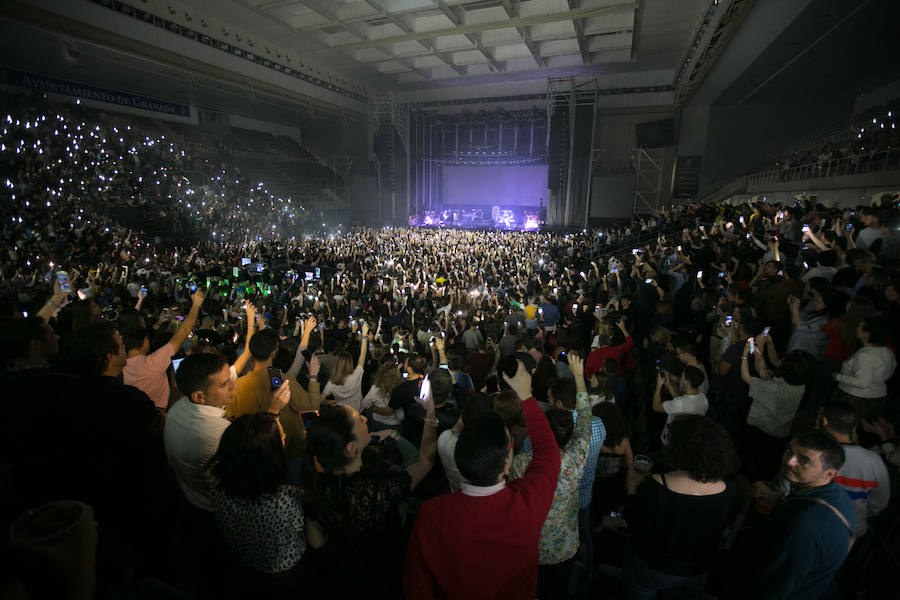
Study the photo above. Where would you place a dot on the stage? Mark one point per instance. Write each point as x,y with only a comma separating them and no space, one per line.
505,218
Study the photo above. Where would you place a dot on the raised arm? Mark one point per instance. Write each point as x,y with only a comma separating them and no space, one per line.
241,363
657,394
55,302
745,363
427,447
189,322
543,471
308,326
363,344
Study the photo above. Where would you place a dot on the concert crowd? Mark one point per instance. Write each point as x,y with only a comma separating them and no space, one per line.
257,404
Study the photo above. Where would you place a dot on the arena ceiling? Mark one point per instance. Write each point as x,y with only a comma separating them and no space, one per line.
420,43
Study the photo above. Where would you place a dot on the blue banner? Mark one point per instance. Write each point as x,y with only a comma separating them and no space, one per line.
89,92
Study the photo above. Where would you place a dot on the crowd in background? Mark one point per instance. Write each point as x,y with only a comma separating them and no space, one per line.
706,399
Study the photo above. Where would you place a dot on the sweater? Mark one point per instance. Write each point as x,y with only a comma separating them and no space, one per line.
597,357
803,545
865,374
465,546
865,479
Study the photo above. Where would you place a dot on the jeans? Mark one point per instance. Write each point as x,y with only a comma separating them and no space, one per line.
643,583
586,539
553,580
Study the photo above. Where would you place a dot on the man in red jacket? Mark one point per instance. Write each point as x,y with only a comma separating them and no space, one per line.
596,358
482,541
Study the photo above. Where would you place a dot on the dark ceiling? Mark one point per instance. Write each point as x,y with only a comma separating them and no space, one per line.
844,47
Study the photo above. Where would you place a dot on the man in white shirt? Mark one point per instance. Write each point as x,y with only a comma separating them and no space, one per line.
690,402
872,220
446,443
196,422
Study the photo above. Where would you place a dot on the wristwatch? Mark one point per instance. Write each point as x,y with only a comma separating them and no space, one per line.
433,421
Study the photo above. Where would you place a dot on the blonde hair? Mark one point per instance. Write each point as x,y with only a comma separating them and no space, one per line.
388,377
342,368
660,335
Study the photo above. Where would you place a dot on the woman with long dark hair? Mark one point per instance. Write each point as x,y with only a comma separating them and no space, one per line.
353,501
260,517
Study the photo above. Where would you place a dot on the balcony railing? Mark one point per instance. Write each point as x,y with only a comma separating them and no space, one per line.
874,162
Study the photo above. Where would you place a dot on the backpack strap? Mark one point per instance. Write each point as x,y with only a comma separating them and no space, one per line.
839,514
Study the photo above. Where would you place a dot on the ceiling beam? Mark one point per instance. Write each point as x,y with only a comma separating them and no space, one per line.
275,4
456,20
409,30
581,13
579,35
526,37
318,7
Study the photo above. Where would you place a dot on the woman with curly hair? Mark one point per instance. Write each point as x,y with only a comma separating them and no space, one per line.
676,518
387,377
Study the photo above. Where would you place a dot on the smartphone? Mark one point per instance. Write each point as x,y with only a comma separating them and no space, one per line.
596,308
143,290
805,265
63,278
679,248
275,378
405,375
741,220
648,280
235,272
699,274
634,252
752,343
425,389
309,418
721,273
176,362
766,331
659,367
849,226
165,313
192,286
748,236
728,320
245,262
179,318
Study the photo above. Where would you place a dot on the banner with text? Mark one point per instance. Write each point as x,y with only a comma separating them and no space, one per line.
89,92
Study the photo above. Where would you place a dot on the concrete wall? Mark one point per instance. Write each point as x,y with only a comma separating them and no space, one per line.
612,196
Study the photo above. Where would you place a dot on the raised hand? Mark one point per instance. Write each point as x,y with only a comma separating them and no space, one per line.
520,383
314,366
280,397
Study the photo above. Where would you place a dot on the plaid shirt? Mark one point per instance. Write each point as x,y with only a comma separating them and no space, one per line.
598,436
